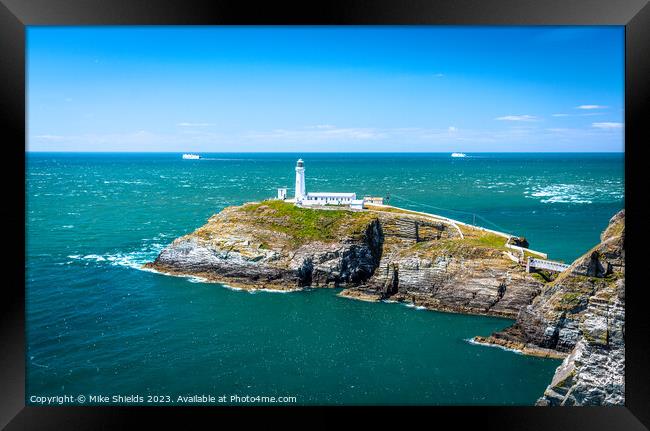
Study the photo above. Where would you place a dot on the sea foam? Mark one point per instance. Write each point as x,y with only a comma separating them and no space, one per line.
508,349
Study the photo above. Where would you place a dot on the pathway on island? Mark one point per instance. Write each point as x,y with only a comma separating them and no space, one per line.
531,263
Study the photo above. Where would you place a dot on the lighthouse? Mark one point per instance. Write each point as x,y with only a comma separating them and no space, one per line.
318,199
300,180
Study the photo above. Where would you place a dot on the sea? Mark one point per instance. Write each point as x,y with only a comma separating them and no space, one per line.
97,324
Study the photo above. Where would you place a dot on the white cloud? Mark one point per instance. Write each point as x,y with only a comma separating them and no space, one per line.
439,75
607,125
318,133
195,124
591,107
90,142
324,137
56,138
559,115
517,118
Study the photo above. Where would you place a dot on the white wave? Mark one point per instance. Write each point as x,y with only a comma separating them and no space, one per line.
507,349
405,304
132,259
94,257
277,290
196,279
575,193
138,182
417,307
137,258
495,185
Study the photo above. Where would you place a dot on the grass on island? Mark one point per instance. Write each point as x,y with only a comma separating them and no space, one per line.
308,224
616,229
474,237
489,239
470,247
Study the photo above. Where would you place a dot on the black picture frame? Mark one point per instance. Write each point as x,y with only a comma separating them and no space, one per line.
15,15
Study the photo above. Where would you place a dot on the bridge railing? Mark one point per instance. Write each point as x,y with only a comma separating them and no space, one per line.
545,264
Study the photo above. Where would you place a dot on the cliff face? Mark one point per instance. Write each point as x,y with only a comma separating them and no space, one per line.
375,254
469,275
276,245
581,313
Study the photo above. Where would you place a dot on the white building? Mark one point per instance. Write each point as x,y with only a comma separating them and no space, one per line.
318,198
373,200
300,180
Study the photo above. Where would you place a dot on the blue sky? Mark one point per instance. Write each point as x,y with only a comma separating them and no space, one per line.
218,89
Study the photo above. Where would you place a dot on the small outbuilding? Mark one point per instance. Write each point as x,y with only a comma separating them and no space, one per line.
373,200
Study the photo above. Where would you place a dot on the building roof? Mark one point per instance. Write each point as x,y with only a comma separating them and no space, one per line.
331,195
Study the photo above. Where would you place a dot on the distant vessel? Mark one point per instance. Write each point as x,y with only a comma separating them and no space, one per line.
458,155
191,156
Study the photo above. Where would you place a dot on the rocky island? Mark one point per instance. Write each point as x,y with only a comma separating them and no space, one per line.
374,254
388,253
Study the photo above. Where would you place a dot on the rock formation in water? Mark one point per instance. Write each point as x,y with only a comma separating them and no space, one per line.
277,245
376,254
581,313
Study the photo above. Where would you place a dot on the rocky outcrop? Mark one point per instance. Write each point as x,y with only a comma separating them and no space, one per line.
468,275
276,245
375,255
580,315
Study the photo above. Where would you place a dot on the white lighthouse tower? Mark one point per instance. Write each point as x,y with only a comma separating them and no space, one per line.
300,180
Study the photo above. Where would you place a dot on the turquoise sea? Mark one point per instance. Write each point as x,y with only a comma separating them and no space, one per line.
97,325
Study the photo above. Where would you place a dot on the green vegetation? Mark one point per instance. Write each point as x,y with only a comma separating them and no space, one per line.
567,381
600,337
571,300
467,248
389,209
615,229
489,239
203,233
539,277
307,224
485,240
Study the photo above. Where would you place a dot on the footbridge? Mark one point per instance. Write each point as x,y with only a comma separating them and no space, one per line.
549,265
